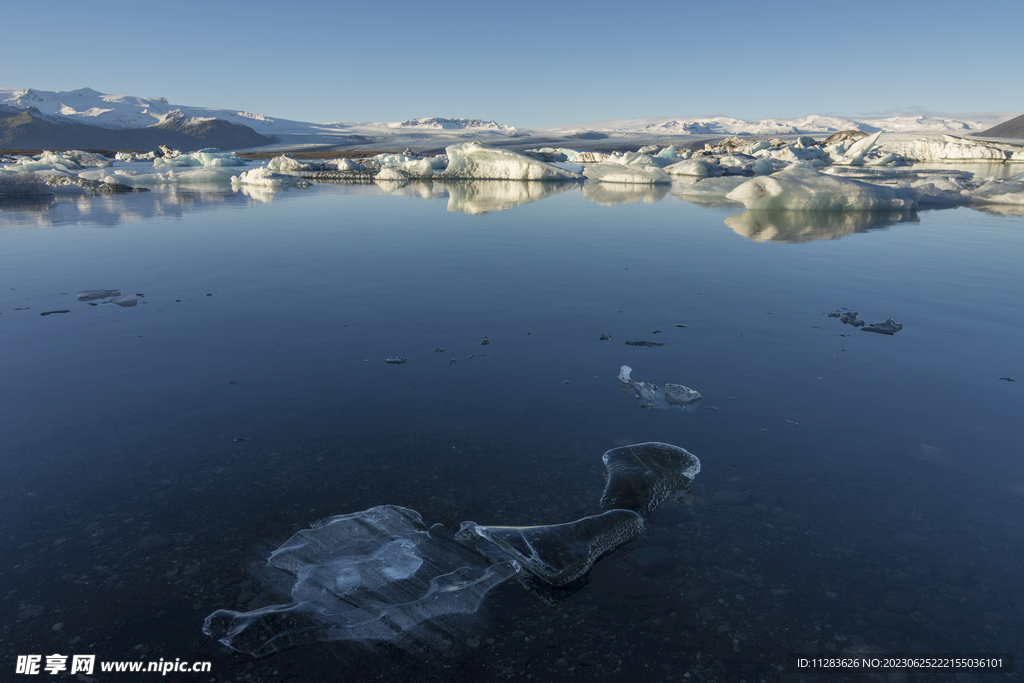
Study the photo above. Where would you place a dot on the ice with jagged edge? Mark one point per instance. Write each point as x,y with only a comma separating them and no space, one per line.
209,158
376,576
475,160
557,554
650,396
643,476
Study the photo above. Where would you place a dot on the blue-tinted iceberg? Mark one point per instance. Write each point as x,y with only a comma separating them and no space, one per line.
210,157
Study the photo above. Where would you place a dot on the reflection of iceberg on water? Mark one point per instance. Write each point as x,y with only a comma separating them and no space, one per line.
805,226
380,576
480,196
374,576
624,193
707,192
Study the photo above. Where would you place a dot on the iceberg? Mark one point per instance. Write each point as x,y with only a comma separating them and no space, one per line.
210,157
373,576
643,476
801,188
693,167
286,164
265,177
559,553
125,300
475,160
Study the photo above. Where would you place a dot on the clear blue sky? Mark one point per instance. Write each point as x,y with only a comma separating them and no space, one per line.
527,63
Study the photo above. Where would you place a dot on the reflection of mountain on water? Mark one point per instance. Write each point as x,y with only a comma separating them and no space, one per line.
804,226
109,210
480,196
624,193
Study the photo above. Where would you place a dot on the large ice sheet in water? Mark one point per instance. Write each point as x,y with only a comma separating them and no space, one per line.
559,553
801,188
477,160
374,576
643,476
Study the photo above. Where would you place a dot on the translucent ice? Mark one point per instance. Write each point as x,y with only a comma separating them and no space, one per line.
126,300
266,177
560,553
211,157
643,476
651,396
612,172
373,576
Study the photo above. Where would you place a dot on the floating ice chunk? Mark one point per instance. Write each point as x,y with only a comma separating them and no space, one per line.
154,178
265,177
643,476
125,300
669,152
392,173
211,157
559,553
651,396
693,167
613,172
801,188
90,294
678,395
862,147
286,164
888,326
346,165
477,160
373,576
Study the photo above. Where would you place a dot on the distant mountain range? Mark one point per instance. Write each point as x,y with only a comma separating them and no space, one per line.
85,118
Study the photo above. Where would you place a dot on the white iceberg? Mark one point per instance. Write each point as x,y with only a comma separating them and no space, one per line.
346,165
286,164
265,177
696,168
476,160
801,188
210,157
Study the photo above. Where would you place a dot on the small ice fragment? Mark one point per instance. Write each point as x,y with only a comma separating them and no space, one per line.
396,360
605,337
888,326
645,343
50,312
678,395
439,349
90,294
125,300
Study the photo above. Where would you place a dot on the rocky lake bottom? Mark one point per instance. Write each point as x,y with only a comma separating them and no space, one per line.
859,493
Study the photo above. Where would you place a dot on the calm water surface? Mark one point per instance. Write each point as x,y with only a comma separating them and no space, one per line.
858,490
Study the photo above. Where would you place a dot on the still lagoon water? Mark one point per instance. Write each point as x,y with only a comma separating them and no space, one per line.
858,490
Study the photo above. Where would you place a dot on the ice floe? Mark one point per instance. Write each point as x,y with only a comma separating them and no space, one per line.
643,476
650,396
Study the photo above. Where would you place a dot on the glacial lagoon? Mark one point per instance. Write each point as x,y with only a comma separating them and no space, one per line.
857,492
